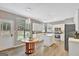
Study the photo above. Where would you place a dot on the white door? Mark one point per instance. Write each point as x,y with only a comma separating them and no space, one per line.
6,33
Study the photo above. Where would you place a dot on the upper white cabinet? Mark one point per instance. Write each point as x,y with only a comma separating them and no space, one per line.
38,27
49,28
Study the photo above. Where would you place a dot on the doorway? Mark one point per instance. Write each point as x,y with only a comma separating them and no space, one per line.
6,33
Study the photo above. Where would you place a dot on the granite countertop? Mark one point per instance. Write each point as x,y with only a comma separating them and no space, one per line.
34,40
72,39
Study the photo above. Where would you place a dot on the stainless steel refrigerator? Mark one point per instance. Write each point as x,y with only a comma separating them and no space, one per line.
68,29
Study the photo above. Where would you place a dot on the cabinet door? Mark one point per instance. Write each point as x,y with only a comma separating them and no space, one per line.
38,27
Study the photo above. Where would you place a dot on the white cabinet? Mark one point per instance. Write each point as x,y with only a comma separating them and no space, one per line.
73,47
38,27
49,28
62,27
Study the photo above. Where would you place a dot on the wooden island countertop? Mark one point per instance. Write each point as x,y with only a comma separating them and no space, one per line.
31,45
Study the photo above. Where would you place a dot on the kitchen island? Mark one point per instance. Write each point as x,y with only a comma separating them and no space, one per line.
73,46
31,45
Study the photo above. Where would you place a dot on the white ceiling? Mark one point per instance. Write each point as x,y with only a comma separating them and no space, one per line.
45,12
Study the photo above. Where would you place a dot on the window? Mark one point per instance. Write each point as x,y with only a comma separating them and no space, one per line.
5,26
27,28
23,29
27,25
20,29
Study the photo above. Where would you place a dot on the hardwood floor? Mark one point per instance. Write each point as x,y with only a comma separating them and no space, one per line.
54,50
